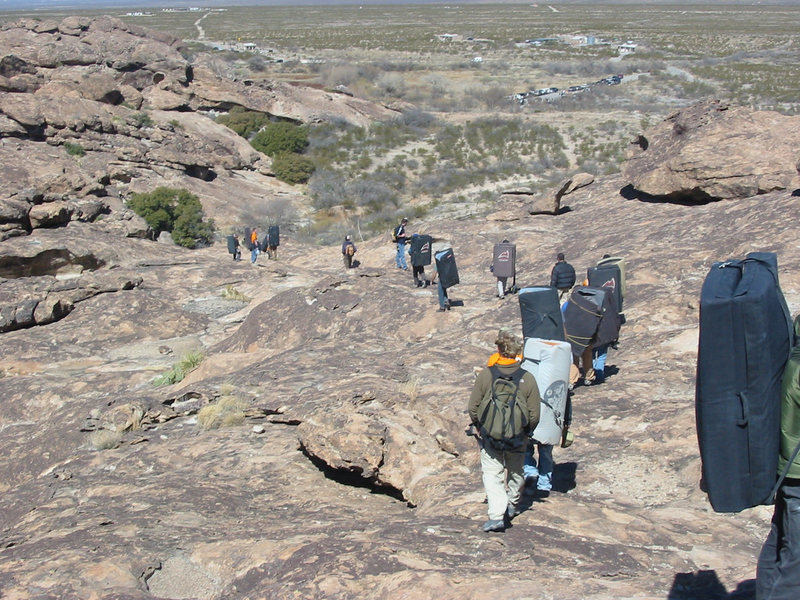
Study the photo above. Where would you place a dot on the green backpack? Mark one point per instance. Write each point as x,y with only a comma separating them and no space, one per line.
503,421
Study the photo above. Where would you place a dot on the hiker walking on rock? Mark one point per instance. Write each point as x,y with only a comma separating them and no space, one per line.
400,237
778,572
503,434
234,247
562,277
253,245
348,251
503,267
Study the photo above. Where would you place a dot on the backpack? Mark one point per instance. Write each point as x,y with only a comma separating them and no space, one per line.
503,422
394,234
350,250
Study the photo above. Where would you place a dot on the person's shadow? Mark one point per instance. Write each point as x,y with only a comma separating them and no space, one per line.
705,585
563,481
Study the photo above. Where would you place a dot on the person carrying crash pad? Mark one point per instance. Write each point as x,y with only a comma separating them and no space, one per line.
348,251
504,407
234,247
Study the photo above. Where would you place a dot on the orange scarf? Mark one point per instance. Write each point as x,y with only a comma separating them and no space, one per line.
496,359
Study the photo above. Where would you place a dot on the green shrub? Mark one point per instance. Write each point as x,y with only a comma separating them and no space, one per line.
74,149
142,119
177,211
281,137
292,168
180,369
244,122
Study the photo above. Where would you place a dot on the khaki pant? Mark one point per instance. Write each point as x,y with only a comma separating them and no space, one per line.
581,368
502,478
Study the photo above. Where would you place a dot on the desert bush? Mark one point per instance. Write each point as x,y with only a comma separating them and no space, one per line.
418,121
281,137
292,168
339,74
372,194
243,121
327,189
228,411
391,84
142,119
180,369
257,64
177,211
74,149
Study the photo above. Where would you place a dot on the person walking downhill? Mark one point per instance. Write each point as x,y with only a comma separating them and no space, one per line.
444,301
348,251
400,238
253,245
502,448
562,277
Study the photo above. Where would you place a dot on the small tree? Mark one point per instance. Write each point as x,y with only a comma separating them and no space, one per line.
177,211
281,137
244,122
292,168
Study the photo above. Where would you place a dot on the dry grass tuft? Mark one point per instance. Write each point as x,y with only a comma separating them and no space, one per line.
227,412
103,439
410,388
231,293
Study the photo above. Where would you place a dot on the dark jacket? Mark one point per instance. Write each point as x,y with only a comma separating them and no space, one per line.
347,243
562,276
400,233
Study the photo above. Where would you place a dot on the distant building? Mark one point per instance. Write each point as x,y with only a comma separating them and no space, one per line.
627,48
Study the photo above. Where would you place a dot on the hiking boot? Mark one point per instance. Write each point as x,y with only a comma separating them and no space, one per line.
441,310
494,525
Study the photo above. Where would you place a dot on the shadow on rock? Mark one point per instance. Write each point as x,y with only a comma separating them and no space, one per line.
564,477
706,585
693,197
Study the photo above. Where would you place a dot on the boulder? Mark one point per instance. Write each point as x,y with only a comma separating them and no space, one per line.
713,151
50,214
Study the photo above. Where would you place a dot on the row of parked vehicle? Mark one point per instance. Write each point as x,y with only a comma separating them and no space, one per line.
552,92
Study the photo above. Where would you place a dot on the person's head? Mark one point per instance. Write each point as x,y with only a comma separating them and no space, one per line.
236,235
504,242
347,238
606,256
508,344
404,221
560,256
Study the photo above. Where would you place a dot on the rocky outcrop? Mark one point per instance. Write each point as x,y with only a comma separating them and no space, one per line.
713,151
96,108
546,203
43,300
